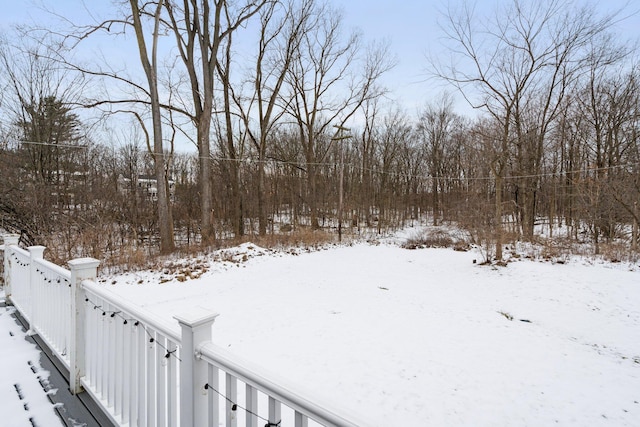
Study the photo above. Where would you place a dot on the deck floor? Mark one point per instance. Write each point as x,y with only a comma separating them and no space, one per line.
74,410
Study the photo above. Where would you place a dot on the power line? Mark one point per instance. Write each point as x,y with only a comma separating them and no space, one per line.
376,171
507,177
418,176
53,144
445,178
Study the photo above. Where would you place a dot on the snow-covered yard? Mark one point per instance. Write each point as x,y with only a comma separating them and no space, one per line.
424,337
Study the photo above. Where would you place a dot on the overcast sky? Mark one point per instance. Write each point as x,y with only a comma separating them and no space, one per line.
411,26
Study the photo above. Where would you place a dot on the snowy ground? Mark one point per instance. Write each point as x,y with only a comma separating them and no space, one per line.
423,337
23,402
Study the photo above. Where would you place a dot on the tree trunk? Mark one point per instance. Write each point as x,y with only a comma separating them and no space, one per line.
207,233
498,219
165,218
634,231
436,200
262,211
312,196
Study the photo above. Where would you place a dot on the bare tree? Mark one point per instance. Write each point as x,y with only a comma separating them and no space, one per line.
516,66
281,28
436,126
149,61
199,28
187,213
231,141
325,66
367,150
608,107
393,135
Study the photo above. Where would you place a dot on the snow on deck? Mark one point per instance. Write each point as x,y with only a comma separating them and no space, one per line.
23,401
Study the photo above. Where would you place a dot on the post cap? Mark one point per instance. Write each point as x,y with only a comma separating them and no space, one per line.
84,263
11,239
196,317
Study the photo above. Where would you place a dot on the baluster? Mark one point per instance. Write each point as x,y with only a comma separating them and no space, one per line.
118,372
100,346
110,350
301,420
172,375
151,378
275,411
161,375
232,396
92,345
127,374
35,253
104,361
57,322
53,316
49,308
142,375
252,406
213,378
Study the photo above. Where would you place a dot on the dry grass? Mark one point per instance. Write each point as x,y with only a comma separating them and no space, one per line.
131,258
561,249
619,252
116,257
436,238
302,237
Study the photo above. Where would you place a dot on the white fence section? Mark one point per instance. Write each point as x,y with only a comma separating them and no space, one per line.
142,370
45,299
131,361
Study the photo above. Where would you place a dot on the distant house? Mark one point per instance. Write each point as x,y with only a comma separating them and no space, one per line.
68,188
146,186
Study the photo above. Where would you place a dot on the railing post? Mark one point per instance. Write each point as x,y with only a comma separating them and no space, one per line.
196,330
9,239
81,269
35,253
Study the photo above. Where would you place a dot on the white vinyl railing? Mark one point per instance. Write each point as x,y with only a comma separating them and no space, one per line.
142,370
131,363
45,300
17,267
268,399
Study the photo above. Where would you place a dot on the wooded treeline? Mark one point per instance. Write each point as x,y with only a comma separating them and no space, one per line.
286,112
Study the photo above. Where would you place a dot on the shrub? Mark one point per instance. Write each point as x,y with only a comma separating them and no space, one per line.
435,238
